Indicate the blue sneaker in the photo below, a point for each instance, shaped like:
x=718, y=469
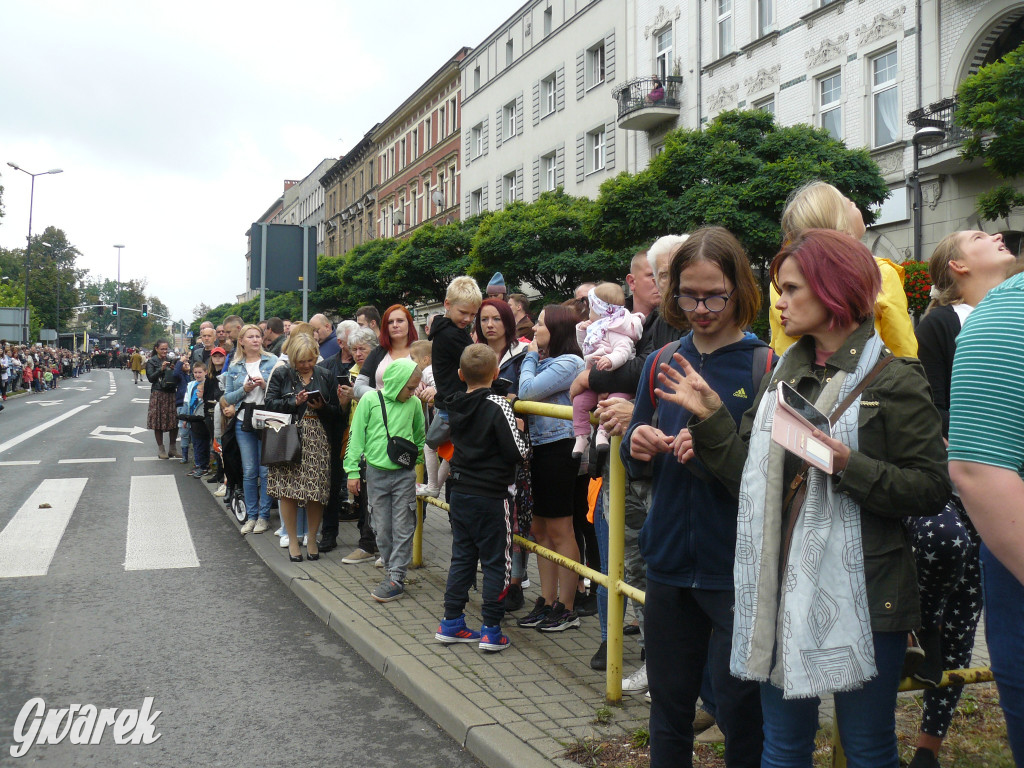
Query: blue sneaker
x=387, y=591
x=455, y=631
x=493, y=639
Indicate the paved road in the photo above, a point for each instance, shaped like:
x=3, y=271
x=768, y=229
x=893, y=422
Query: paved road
x=142, y=587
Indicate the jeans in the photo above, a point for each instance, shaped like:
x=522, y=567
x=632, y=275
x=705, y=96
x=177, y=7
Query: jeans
x=254, y=476
x=688, y=629
x=391, y=495
x=200, y=452
x=1004, y=632
x=481, y=530
x=866, y=717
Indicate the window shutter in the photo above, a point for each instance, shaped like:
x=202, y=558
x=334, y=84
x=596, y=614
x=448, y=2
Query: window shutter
x=468, y=211
x=560, y=166
x=467, y=155
x=609, y=146
x=483, y=201
x=581, y=60
x=497, y=128
x=486, y=123
x=581, y=157
x=609, y=57
x=519, y=183
x=536, y=102
x=536, y=177
x=499, y=199
x=560, y=88
x=519, y=115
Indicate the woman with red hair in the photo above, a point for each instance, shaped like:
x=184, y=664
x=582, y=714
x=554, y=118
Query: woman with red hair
x=824, y=572
x=397, y=333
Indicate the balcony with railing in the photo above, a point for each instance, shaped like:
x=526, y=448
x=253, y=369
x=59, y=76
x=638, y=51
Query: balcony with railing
x=647, y=102
x=941, y=155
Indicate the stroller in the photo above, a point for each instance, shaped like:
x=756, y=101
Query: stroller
x=232, y=459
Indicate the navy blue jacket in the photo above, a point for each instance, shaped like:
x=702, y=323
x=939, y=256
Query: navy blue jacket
x=689, y=537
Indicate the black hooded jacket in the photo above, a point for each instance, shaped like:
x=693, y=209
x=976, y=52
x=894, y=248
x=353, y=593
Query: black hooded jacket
x=488, y=443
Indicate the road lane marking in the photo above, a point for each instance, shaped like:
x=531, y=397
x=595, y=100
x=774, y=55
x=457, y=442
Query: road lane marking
x=40, y=428
x=147, y=458
x=29, y=541
x=95, y=401
x=87, y=461
x=20, y=463
x=158, y=534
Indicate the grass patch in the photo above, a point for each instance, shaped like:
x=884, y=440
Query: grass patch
x=976, y=739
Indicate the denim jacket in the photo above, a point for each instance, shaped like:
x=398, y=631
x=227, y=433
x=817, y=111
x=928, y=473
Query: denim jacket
x=236, y=374
x=548, y=381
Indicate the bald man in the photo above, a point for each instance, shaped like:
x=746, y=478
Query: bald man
x=323, y=329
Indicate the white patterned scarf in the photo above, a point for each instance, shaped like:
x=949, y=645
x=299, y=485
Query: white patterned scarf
x=813, y=637
x=610, y=315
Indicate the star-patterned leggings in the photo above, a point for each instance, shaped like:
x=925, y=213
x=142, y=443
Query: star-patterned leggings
x=946, y=550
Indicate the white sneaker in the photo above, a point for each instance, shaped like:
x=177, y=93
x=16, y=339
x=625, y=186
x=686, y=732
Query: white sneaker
x=284, y=541
x=280, y=532
x=305, y=540
x=525, y=584
x=248, y=527
x=221, y=491
x=636, y=682
x=422, y=489
x=379, y=563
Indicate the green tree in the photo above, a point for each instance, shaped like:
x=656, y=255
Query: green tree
x=990, y=104
x=423, y=264
x=12, y=294
x=54, y=276
x=347, y=282
x=136, y=330
x=545, y=244
x=736, y=173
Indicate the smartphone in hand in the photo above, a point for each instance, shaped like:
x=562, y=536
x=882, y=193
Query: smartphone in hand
x=314, y=396
x=345, y=380
x=793, y=423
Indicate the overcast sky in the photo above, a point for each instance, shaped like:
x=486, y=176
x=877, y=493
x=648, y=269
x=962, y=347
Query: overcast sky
x=176, y=123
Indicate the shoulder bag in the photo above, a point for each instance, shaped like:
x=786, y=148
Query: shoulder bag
x=280, y=441
x=401, y=451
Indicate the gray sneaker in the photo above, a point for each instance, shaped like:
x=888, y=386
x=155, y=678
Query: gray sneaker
x=387, y=591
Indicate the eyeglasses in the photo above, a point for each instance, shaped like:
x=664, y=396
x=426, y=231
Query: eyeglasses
x=711, y=303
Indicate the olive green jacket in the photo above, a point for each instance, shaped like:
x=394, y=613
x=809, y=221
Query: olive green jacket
x=898, y=470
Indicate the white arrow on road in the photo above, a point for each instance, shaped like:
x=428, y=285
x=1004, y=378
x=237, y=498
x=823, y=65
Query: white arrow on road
x=77, y=389
x=121, y=434
x=45, y=403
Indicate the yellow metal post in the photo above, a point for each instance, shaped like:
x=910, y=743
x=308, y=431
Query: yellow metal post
x=417, y=536
x=616, y=570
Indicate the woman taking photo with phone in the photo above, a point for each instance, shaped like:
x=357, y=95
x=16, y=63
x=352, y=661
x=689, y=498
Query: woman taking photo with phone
x=245, y=386
x=824, y=562
x=308, y=392
x=162, y=416
x=689, y=535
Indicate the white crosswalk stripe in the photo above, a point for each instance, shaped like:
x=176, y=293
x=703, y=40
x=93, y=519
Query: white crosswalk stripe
x=29, y=541
x=158, y=534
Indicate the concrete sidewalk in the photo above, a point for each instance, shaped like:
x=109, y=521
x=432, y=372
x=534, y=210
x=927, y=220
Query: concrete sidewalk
x=518, y=708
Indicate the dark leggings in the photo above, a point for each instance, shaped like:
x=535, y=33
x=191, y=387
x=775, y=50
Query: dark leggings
x=946, y=549
x=586, y=537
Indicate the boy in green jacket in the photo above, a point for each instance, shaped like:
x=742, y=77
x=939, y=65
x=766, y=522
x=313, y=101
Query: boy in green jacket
x=391, y=489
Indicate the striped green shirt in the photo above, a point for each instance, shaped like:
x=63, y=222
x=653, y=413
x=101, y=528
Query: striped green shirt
x=986, y=412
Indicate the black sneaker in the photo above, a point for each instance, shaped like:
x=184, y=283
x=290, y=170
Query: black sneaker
x=924, y=758
x=599, y=660
x=539, y=614
x=560, y=619
x=328, y=543
x=585, y=604
x=514, y=599
x=929, y=670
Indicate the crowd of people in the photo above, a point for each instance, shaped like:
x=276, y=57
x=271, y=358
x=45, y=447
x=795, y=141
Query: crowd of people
x=37, y=368
x=773, y=575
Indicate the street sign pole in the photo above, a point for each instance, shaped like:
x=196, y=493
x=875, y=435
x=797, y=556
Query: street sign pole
x=263, y=273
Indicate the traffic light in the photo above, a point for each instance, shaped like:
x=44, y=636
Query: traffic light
x=145, y=310
x=113, y=308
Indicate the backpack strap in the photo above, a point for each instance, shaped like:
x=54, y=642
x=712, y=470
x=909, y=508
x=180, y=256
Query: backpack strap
x=668, y=350
x=761, y=364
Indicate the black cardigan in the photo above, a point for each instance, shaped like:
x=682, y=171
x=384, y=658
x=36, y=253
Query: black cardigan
x=284, y=384
x=936, y=345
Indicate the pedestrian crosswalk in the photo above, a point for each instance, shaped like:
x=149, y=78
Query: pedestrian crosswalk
x=158, y=535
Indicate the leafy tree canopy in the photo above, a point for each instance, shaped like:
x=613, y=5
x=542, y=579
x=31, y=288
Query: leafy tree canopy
x=736, y=172
x=990, y=104
x=422, y=265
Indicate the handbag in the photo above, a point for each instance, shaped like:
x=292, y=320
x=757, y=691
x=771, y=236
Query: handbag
x=439, y=432
x=280, y=441
x=401, y=451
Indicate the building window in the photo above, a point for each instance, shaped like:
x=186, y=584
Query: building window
x=595, y=150
x=508, y=187
x=766, y=104
x=508, y=119
x=595, y=65
x=509, y=53
x=765, y=17
x=663, y=53
x=547, y=22
x=476, y=202
x=547, y=94
x=453, y=114
x=885, y=97
x=442, y=123
x=830, y=104
x=723, y=24
x=549, y=172
x=476, y=79
x=429, y=134
x=415, y=143
x=477, y=142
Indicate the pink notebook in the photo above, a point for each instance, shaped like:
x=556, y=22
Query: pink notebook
x=794, y=421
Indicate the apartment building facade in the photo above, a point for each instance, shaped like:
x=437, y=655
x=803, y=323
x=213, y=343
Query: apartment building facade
x=418, y=163
x=350, y=199
x=536, y=105
x=303, y=203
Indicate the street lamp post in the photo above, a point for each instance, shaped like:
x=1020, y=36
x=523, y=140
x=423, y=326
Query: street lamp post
x=28, y=244
x=925, y=136
x=119, y=247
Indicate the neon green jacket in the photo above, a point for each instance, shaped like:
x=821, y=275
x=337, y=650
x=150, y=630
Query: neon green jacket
x=367, y=436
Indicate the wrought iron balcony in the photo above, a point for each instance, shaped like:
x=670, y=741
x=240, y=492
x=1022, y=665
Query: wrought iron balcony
x=940, y=114
x=646, y=102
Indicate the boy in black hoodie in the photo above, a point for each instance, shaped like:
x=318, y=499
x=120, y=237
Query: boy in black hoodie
x=488, y=444
x=449, y=335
